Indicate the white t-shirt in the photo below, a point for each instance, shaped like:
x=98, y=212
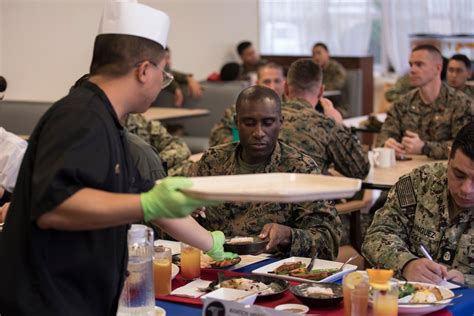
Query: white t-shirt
x=12, y=149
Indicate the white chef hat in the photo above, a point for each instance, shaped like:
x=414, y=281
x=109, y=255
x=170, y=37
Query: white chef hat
x=132, y=18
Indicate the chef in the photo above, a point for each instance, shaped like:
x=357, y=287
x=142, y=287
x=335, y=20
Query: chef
x=63, y=248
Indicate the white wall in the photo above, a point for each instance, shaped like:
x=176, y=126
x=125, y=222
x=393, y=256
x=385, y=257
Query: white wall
x=45, y=45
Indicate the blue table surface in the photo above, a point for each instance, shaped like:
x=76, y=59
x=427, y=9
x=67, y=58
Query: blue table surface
x=462, y=306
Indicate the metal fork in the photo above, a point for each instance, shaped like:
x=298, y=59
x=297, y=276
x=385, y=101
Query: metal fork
x=311, y=263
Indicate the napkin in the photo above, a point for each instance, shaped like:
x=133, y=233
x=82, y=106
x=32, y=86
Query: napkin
x=192, y=289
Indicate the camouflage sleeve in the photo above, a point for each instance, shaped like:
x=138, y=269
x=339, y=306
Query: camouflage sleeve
x=339, y=79
x=391, y=127
x=204, y=166
x=172, y=149
x=462, y=115
x=385, y=244
x=401, y=87
x=221, y=133
x=347, y=154
x=319, y=228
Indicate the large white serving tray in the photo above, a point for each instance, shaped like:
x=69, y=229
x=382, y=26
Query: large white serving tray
x=318, y=264
x=273, y=187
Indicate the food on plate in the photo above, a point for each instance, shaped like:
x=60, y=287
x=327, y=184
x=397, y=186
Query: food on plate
x=224, y=263
x=248, y=285
x=299, y=270
x=240, y=240
x=420, y=293
x=286, y=267
x=318, y=291
x=208, y=262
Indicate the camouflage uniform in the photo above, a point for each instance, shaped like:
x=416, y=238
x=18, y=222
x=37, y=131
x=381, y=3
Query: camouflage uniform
x=225, y=130
x=437, y=123
x=173, y=150
x=334, y=76
x=314, y=225
x=323, y=140
x=401, y=87
x=469, y=91
x=417, y=212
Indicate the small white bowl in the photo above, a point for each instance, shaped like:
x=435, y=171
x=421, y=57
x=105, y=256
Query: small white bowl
x=293, y=308
x=226, y=294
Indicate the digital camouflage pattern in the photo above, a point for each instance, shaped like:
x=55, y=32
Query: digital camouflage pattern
x=401, y=87
x=172, y=149
x=334, y=75
x=321, y=138
x=469, y=91
x=314, y=225
x=223, y=131
x=417, y=212
x=437, y=123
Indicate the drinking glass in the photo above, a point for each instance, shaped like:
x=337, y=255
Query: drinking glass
x=386, y=300
x=162, y=270
x=190, y=262
x=355, y=289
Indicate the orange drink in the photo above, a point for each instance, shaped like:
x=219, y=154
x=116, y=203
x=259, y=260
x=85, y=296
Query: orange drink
x=385, y=292
x=162, y=270
x=355, y=289
x=190, y=262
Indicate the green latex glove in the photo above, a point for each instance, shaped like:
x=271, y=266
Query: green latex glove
x=217, y=251
x=166, y=201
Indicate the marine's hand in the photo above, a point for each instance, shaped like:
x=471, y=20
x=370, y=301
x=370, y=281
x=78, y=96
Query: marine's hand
x=412, y=143
x=455, y=276
x=165, y=200
x=279, y=235
x=424, y=270
x=398, y=147
x=217, y=251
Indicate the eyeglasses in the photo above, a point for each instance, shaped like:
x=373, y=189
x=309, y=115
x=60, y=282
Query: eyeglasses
x=167, y=77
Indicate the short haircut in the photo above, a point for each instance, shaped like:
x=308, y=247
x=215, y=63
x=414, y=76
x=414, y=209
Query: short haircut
x=322, y=45
x=257, y=94
x=230, y=72
x=463, y=141
x=115, y=55
x=304, y=74
x=271, y=65
x=462, y=58
x=3, y=84
x=243, y=46
x=430, y=49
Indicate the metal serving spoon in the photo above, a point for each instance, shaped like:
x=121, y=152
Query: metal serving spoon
x=347, y=261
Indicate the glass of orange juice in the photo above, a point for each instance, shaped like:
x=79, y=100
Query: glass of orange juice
x=190, y=262
x=386, y=300
x=355, y=288
x=162, y=270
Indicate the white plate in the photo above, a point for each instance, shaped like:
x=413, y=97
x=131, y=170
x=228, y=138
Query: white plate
x=273, y=187
x=174, y=245
x=425, y=309
x=318, y=264
x=174, y=271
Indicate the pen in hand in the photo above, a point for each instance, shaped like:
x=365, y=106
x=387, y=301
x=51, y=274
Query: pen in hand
x=428, y=256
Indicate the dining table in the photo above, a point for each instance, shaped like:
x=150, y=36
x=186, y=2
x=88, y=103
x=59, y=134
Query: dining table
x=461, y=306
x=384, y=178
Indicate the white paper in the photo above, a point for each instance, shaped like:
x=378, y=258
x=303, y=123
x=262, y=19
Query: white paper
x=192, y=289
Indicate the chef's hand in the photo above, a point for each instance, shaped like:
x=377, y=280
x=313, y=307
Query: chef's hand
x=279, y=235
x=217, y=251
x=424, y=270
x=165, y=200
